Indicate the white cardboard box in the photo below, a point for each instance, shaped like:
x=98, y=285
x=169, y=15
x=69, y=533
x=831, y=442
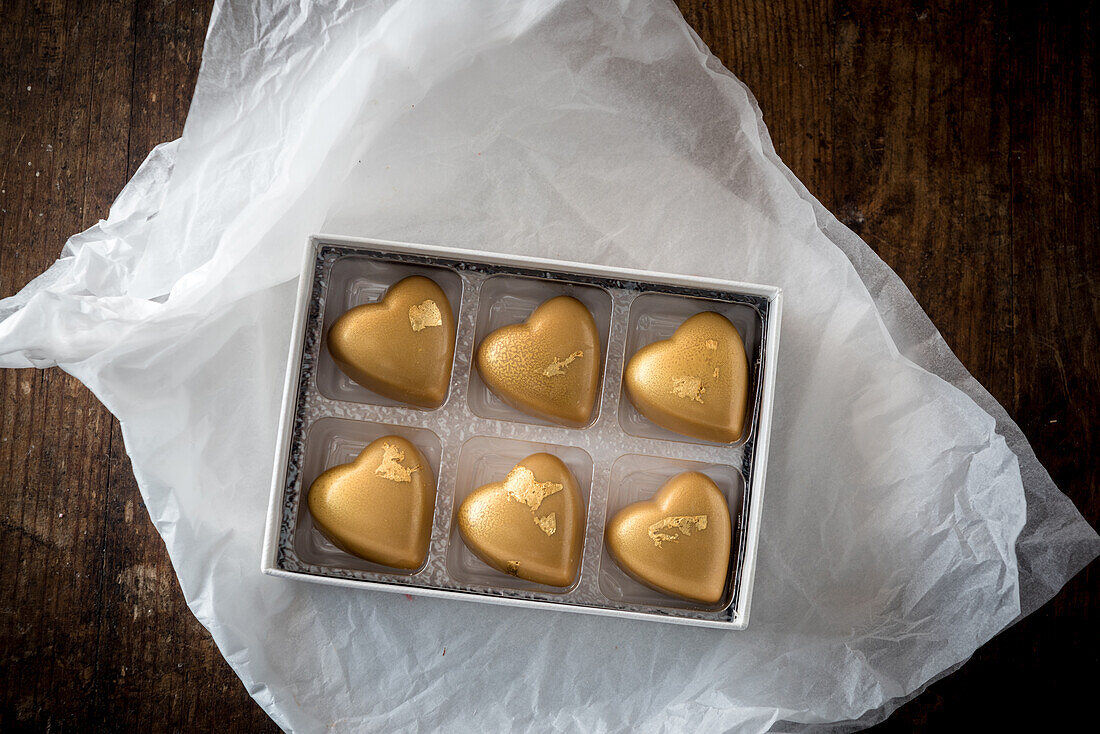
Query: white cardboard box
x=292, y=549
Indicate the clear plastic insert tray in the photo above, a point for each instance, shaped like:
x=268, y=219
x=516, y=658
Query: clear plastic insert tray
x=475, y=438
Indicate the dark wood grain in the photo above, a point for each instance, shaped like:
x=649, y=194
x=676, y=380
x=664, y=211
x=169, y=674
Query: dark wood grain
x=94, y=632
x=959, y=139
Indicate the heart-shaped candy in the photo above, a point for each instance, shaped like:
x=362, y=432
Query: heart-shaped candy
x=402, y=346
x=678, y=542
x=379, y=507
x=547, y=366
x=695, y=383
x=531, y=524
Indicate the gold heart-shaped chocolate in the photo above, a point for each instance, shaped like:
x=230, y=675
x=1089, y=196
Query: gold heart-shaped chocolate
x=695, y=383
x=531, y=524
x=678, y=542
x=379, y=507
x=402, y=346
x=548, y=366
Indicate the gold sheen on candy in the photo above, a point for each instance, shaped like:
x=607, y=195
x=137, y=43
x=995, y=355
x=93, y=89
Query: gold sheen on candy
x=678, y=542
x=695, y=383
x=547, y=366
x=379, y=507
x=401, y=347
x=530, y=524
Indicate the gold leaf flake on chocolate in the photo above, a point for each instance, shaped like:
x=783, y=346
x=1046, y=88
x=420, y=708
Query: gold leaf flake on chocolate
x=521, y=486
x=424, y=314
x=689, y=387
x=557, y=367
x=676, y=526
x=512, y=568
x=391, y=467
x=547, y=523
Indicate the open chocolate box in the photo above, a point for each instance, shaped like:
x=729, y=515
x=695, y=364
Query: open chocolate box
x=475, y=438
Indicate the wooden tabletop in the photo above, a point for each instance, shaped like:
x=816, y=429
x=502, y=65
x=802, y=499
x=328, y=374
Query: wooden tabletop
x=959, y=139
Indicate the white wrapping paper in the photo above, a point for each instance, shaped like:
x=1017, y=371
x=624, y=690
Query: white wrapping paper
x=906, y=521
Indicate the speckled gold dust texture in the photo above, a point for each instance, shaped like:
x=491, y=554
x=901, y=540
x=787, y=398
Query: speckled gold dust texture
x=530, y=524
x=379, y=507
x=401, y=347
x=695, y=383
x=547, y=366
x=679, y=541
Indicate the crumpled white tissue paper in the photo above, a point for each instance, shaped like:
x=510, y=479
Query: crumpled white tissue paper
x=906, y=519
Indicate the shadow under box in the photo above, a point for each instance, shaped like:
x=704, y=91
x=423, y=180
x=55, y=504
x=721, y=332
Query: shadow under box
x=635, y=478
x=487, y=459
x=353, y=281
x=334, y=441
x=510, y=299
